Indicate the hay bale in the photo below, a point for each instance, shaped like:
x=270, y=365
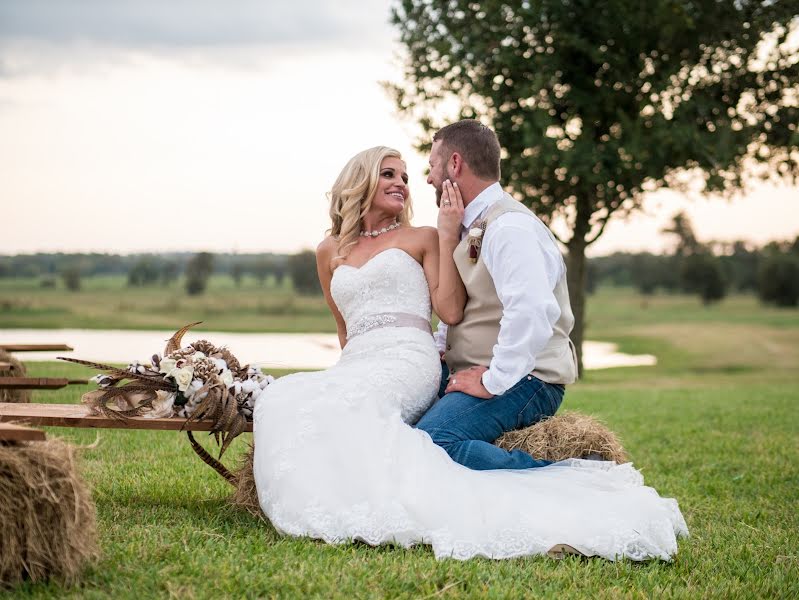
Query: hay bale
x=567, y=435
x=17, y=370
x=47, y=517
x=246, y=496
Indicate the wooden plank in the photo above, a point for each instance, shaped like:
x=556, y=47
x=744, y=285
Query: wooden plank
x=79, y=415
x=38, y=383
x=34, y=347
x=18, y=433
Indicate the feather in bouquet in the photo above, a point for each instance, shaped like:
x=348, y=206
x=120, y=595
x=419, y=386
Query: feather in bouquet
x=198, y=381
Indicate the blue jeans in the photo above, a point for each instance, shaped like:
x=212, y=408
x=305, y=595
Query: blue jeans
x=466, y=426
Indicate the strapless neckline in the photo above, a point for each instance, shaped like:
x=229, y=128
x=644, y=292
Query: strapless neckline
x=379, y=254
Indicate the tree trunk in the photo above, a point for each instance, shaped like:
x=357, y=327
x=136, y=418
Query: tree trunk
x=576, y=280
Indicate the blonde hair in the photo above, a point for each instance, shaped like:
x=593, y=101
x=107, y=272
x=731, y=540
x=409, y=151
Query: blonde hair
x=352, y=194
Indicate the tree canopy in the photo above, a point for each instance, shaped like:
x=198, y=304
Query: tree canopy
x=597, y=103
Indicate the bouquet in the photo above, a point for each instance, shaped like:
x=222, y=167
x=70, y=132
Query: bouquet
x=197, y=381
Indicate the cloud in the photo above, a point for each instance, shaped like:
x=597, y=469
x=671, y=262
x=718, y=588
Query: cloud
x=191, y=22
x=51, y=37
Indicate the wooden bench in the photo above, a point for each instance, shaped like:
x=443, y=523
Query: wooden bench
x=10, y=432
x=79, y=415
x=33, y=383
x=35, y=347
x=38, y=383
x=82, y=416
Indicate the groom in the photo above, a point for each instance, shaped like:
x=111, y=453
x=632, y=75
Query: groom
x=506, y=363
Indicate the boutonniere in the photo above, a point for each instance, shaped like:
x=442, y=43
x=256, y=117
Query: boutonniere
x=474, y=240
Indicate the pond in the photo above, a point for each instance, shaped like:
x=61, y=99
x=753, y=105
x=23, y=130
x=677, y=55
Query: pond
x=267, y=350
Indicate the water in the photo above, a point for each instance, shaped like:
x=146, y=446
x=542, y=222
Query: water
x=267, y=350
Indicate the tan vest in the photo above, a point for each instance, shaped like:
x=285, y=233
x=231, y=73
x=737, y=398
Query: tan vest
x=471, y=342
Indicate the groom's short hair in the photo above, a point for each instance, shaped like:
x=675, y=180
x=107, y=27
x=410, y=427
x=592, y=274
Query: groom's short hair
x=477, y=144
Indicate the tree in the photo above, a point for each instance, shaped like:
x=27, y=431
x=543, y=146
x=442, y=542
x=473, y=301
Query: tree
x=644, y=272
x=261, y=269
x=742, y=266
x=198, y=270
x=681, y=226
x=71, y=277
x=779, y=279
x=302, y=268
x=144, y=272
x=237, y=272
x=597, y=103
x=169, y=272
x=701, y=273
x=279, y=269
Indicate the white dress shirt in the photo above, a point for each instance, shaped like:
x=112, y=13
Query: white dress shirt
x=525, y=263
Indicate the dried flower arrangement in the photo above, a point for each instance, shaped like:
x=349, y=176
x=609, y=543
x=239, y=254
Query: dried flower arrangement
x=198, y=381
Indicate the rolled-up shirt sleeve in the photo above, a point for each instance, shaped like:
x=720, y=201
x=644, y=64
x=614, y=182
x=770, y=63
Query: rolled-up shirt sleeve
x=525, y=265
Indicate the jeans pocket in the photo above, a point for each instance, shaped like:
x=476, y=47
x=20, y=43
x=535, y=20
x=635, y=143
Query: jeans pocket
x=543, y=403
x=555, y=397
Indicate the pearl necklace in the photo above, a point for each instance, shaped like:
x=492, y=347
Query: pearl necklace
x=377, y=232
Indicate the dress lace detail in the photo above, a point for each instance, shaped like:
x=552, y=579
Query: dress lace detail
x=336, y=459
x=388, y=320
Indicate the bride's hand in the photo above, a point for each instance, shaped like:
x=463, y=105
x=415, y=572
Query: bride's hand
x=450, y=214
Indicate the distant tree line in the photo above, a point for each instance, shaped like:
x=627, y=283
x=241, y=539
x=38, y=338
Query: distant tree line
x=710, y=270
x=142, y=270
x=89, y=265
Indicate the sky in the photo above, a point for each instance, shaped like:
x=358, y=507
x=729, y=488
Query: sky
x=205, y=125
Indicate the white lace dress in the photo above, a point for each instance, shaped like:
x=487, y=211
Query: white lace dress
x=336, y=458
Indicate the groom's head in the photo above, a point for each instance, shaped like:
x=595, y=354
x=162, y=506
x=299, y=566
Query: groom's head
x=466, y=152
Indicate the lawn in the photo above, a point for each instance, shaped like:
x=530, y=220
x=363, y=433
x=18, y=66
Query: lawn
x=713, y=425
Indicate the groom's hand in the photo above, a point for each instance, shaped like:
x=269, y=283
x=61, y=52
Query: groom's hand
x=469, y=381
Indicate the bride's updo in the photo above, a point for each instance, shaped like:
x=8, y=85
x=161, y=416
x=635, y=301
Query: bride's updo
x=352, y=194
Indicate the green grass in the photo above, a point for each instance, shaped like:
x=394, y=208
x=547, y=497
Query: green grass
x=714, y=425
x=106, y=302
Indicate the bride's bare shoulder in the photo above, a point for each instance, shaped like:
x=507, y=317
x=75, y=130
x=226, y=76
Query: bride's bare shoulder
x=326, y=251
x=327, y=246
x=420, y=241
x=425, y=237
x=425, y=232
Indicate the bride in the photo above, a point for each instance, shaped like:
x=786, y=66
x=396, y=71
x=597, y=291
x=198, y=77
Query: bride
x=336, y=456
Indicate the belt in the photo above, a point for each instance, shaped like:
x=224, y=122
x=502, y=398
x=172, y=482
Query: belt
x=381, y=320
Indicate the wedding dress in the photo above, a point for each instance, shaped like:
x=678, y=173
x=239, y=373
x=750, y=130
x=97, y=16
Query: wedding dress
x=336, y=458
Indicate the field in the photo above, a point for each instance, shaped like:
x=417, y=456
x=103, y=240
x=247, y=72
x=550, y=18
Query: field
x=107, y=303
x=714, y=425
